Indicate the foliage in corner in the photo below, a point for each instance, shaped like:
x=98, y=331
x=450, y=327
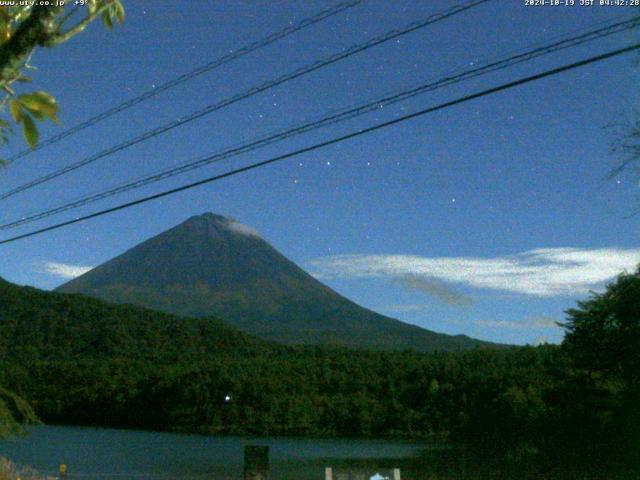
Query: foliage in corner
x=603, y=340
x=603, y=333
x=22, y=30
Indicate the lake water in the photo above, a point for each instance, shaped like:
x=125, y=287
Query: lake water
x=107, y=454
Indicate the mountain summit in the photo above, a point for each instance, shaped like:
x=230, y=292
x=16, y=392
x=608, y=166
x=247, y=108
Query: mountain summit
x=214, y=266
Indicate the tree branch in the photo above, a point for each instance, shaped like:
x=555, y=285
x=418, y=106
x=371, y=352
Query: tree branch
x=79, y=28
x=35, y=30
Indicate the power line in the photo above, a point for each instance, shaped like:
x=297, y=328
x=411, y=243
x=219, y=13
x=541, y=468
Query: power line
x=345, y=114
x=232, y=55
x=317, y=146
x=248, y=93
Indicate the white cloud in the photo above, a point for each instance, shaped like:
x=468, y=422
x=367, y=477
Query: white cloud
x=240, y=228
x=544, y=272
x=536, y=322
x=497, y=324
x=64, y=270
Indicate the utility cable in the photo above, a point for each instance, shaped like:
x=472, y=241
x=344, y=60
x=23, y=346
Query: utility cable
x=246, y=94
x=330, y=119
x=168, y=85
x=317, y=146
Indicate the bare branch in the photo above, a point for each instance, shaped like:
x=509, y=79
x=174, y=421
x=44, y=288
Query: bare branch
x=627, y=144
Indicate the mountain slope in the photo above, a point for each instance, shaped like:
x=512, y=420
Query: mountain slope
x=213, y=266
x=35, y=324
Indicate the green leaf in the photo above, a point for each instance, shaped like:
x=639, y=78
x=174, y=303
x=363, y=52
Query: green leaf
x=44, y=97
x=38, y=115
x=16, y=110
x=119, y=12
x=106, y=19
x=5, y=26
x=4, y=124
x=30, y=131
x=40, y=103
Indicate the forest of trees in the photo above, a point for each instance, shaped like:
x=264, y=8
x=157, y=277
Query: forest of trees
x=84, y=362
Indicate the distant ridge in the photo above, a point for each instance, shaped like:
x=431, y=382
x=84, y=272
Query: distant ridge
x=49, y=326
x=213, y=266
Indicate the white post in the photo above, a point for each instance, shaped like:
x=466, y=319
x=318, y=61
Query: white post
x=396, y=474
x=328, y=473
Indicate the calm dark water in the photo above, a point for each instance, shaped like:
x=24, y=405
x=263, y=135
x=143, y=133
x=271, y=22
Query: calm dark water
x=119, y=454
